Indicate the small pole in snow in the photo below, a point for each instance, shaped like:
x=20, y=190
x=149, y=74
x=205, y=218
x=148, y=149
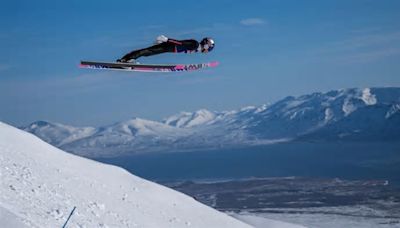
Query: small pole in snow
x=65, y=224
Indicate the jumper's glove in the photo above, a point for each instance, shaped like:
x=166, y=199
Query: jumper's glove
x=161, y=39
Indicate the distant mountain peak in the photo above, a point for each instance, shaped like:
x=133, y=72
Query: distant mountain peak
x=367, y=97
x=191, y=119
x=347, y=114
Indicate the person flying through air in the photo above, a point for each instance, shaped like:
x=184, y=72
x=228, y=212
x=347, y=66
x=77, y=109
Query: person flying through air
x=165, y=44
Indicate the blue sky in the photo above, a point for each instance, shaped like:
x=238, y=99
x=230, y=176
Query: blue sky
x=267, y=50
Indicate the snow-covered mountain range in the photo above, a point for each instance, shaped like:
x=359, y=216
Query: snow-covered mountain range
x=368, y=114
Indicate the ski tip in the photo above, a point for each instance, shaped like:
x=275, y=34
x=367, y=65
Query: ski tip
x=82, y=64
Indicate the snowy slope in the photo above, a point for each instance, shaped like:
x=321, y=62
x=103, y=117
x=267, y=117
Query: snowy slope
x=8, y=219
x=40, y=184
x=368, y=114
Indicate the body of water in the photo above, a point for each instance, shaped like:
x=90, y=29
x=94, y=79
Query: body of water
x=342, y=160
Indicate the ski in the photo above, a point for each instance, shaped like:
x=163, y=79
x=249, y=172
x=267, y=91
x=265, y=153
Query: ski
x=146, y=67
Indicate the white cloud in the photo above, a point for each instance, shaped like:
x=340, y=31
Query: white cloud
x=252, y=21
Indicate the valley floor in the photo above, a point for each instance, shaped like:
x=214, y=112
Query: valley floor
x=310, y=202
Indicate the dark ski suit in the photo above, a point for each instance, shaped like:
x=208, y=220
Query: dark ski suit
x=171, y=45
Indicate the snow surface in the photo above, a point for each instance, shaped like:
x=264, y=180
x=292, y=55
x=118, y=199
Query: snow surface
x=8, y=219
x=41, y=184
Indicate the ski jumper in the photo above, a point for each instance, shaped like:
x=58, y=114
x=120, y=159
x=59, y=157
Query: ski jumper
x=173, y=46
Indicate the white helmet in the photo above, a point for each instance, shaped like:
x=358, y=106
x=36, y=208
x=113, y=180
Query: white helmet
x=207, y=44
